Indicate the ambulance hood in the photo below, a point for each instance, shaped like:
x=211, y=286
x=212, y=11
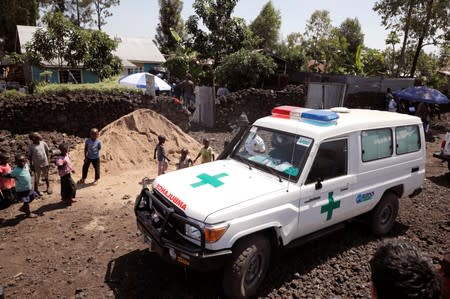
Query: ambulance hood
x=207, y=188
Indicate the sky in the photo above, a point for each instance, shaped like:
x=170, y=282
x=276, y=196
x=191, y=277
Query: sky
x=139, y=18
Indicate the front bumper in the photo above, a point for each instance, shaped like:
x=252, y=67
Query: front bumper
x=159, y=224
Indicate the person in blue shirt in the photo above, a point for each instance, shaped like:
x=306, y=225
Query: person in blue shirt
x=92, y=148
x=24, y=190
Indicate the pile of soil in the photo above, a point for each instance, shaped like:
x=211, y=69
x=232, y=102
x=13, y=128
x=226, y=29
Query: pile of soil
x=129, y=142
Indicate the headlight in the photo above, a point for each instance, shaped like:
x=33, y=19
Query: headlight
x=192, y=232
x=212, y=232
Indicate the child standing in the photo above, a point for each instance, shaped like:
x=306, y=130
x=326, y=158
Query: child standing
x=24, y=191
x=92, y=148
x=65, y=168
x=206, y=152
x=160, y=154
x=7, y=185
x=185, y=160
x=39, y=157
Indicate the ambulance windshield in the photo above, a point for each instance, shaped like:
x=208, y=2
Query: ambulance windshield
x=274, y=151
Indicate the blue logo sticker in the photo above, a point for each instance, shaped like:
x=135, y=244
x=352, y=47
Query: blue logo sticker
x=362, y=197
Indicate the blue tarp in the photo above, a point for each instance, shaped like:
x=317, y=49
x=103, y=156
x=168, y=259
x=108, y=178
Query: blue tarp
x=421, y=94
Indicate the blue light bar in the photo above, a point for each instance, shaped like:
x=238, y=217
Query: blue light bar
x=320, y=115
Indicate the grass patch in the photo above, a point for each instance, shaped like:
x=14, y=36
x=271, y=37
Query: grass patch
x=11, y=94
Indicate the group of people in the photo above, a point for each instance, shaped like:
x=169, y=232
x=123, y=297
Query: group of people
x=21, y=183
x=422, y=110
x=206, y=153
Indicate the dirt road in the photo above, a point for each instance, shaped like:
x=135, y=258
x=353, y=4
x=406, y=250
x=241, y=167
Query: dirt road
x=92, y=249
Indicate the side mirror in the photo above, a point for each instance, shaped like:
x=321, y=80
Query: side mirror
x=319, y=183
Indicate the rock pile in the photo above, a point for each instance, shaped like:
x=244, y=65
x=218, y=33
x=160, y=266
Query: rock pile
x=256, y=103
x=76, y=113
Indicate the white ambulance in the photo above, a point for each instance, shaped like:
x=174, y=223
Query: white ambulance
x=293, y=176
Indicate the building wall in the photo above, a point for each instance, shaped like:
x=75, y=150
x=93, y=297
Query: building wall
x=90, y=77
x=86, y=76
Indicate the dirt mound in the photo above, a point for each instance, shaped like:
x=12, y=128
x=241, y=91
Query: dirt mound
x=129, y=143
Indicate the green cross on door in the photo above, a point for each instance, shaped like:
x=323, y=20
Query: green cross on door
x=206, y=179
x=330, y=206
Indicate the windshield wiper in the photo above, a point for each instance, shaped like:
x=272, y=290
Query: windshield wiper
x=243, y=160
x=274, y=172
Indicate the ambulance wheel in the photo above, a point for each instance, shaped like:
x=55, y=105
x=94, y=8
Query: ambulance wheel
x=247, y=267
x=382, y=217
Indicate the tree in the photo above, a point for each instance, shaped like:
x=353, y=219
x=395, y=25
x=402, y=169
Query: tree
x=13, y=13
x=317, y=35
x=423, y=22
x=245, y=69
x=80, y=12
x=325, y=45
x=392, y=40
x=432, y=26
x=373, y=62
x=293, y=51
x=169, y=19
x=102, y=12
x=60, y=42
x=266, y=26
x=100, y=58
x=224, y=35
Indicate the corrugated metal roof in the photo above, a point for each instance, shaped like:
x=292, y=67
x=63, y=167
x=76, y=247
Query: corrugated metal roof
x=130, y=49
x=136, y=49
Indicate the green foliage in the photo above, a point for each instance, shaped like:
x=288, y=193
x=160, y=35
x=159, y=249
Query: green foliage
x=100, y=58
x=169, y=21
x=60, y=41
x=373, y=62
x=63, y=42
x=224, y=35
x=293, y=51
x=266, y=26
x=245, y=69
x=12, y=13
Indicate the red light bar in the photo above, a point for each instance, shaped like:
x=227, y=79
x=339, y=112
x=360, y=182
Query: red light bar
x=287, y=112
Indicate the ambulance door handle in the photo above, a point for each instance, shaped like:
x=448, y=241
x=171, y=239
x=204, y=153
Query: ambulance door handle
x=344, y=189
x=415, y=169
x=312, y=199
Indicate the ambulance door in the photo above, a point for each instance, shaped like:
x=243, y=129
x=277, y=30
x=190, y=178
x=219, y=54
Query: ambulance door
x=326, y=195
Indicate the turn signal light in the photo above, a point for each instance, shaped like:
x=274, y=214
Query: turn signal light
x=213, y=234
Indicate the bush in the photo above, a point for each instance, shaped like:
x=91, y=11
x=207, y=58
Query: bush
x=245, y=69
x=107, y=86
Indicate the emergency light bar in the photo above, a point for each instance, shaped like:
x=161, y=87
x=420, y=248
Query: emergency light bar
x=292, y=112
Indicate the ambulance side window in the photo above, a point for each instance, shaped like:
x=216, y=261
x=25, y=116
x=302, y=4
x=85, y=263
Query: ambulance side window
x=376, y=144
x=331, y=161
x=407, y=139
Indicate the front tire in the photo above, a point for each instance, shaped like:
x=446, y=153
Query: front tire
x=247, y=267
x=382, y=217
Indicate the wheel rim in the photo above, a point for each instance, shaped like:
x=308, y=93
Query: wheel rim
x=254, y=269
x=386, y=215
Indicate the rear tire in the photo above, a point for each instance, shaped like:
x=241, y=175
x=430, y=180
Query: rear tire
x=382, y=217
x=247, y=267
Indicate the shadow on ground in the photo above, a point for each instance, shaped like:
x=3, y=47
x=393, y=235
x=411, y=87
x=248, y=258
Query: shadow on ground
x=441, y=180
x=40, y=211
x=141, y=274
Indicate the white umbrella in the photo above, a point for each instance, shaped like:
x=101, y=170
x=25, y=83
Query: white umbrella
x=138, y=80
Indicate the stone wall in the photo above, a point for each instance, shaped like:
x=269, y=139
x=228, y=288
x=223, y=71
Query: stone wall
x=76, y=113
